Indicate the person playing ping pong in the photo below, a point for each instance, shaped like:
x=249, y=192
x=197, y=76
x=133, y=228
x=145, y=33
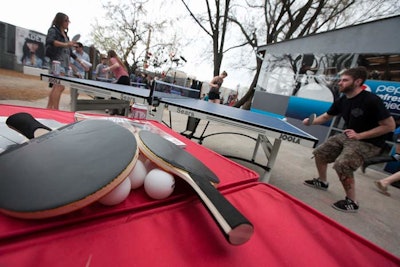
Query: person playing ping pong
x=215, y=86
x=117, y=67
x=367, y=122
x=59, y=48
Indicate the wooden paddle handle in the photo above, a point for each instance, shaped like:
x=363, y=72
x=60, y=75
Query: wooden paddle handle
x=236, y=228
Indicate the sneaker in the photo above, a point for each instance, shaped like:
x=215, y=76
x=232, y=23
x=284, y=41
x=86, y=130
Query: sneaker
x=317, y=183
x=346, y=205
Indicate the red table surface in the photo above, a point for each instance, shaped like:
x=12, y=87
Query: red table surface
x=178, y=231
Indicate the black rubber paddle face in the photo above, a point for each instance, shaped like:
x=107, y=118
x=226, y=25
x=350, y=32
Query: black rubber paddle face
x=65, y=169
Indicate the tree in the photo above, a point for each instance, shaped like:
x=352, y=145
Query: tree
x=128, y=30
x=215, y=24
x=288, y=19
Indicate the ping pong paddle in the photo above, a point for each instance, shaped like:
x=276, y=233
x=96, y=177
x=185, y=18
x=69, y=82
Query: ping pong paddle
x=65, y=169
x=311, y=119
x=76, y=37
x=172, y=158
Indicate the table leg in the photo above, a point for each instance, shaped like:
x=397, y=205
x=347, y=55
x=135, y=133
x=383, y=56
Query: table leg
x=271, y=152
x=74, y=98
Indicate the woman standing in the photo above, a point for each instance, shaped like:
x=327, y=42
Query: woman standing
x=58, y=48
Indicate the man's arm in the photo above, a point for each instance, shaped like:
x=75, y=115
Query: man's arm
x=385, y=126
x=321, y=119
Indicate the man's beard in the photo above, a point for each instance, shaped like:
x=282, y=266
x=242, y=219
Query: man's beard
x=347, y=89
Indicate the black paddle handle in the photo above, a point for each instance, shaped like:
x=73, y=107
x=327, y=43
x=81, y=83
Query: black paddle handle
x=25, y=124
x=236, y=228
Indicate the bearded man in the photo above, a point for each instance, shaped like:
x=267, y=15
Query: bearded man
x=367, y=123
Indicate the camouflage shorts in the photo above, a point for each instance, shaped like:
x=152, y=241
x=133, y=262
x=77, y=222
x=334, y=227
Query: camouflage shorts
x=348, y=155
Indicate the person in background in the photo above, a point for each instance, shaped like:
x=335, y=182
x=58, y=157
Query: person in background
x=82, y=66
x=99, y=74
x=232, y=99
x=119, y=70
x=215, y=86
x=59, y=48
x=367, y=123
x=383, y=184
x=132, y=77
x=139, y=78
x=149, y=81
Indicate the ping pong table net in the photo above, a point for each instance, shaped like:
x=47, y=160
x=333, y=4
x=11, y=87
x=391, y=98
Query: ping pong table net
x=169, y=90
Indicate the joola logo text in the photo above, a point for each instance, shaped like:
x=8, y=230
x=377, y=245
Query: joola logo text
x=290, y=138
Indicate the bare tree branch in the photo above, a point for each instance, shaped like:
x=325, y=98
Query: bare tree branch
x=197, y=20
x=218, y=23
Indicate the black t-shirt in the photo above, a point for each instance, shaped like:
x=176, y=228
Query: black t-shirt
x=361, y=113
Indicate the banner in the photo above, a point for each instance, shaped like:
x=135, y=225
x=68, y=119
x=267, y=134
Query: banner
x=30, y=48
x=388, y=91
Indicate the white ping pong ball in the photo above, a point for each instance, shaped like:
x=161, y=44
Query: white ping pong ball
x=138, y=174
x=118, y=194
x=159, y=184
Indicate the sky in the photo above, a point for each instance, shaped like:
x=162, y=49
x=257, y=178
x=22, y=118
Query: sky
x=38, y=15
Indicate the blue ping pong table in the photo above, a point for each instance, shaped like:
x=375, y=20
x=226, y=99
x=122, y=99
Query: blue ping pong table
x=271, y=130
x=112, y=95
